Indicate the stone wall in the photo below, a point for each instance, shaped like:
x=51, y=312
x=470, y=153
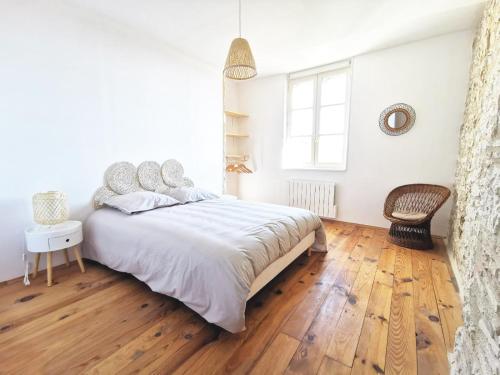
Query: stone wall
x=474, y=238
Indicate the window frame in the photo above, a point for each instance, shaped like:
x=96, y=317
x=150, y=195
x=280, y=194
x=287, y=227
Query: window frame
x=318, y=75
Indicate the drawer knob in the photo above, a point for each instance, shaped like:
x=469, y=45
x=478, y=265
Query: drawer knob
x=67, y=239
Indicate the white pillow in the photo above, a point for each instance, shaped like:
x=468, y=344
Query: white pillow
x=190, y=194
x=139, y=201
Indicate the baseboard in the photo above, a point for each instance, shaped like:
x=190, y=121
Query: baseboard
x=457, y=280
x=21, y=278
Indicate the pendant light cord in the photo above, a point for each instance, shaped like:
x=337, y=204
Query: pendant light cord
x=239, y=17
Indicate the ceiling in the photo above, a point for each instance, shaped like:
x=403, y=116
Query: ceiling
x=289, y=35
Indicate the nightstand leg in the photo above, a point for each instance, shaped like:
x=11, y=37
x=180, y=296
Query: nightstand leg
x=76, y=250
x=309, y=252
x=66, y=257
x=49, y=268
x=37, y=262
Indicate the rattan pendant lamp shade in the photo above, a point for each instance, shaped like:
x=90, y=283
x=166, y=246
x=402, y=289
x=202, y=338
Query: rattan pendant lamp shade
x=240, y=63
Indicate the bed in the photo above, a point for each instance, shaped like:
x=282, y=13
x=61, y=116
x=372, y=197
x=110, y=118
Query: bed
x=212, y=255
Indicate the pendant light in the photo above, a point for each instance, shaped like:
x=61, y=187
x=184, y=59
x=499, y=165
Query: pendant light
x=240, y=64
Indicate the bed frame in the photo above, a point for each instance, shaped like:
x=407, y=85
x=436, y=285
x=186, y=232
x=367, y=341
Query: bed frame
x=281, y=263
x=124, y=177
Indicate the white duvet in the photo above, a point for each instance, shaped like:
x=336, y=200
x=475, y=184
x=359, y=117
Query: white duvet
x=206, y=254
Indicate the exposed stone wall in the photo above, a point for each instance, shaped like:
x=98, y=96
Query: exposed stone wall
x=474, y=238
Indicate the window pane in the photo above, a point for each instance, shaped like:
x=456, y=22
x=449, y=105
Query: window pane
x=332, y=119
x=331, y=149
x=333, y=89
x=298, y=151
x=301, y=122
x=302, y=94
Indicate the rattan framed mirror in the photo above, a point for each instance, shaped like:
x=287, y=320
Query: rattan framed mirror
x=397, y=119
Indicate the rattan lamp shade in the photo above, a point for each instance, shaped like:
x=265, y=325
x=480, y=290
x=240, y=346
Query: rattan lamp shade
x=240, y=64
x=50, y=208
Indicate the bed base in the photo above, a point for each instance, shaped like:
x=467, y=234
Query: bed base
x=280, y=264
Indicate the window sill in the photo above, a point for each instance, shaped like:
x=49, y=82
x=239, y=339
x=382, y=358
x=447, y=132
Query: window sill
x=316, y=169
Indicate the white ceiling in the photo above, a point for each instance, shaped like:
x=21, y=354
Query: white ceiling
x=289, y=35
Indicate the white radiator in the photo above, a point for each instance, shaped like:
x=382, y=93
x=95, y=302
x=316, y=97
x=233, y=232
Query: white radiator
x=315, y=196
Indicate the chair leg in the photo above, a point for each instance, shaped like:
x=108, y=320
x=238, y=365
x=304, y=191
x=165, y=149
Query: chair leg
x=78, y=257
x=427, y=238
x=37, y=263
x=49, y=268
x=412, y=236
x=66, y=257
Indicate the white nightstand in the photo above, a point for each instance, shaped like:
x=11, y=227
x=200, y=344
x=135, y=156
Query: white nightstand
x=47, y=238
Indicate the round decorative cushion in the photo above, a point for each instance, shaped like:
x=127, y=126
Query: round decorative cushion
x=121, y=177
x=101, y=195
x=188, y=182
x=149, y=174
x=172, y=172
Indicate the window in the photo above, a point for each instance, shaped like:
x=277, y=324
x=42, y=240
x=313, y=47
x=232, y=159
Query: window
x=317, y=119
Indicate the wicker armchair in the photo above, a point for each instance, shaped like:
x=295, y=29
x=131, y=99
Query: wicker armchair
x=410, y=209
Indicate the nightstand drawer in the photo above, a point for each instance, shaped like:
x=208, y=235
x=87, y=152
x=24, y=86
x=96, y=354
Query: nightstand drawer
x=63, y=242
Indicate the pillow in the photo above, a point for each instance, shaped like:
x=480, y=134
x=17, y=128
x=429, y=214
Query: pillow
x=409, y=215
x=187, y=194
x=139, y=201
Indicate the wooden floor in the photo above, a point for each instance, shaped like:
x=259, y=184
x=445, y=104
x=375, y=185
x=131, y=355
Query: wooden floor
x=365, y=307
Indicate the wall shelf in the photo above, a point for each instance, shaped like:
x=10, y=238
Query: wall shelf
x=237, y=157
x=235, y=114
x=236, y=147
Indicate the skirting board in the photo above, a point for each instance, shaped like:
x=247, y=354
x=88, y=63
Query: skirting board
x=280, y=264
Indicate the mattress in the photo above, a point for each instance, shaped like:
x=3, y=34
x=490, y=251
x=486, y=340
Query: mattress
x=206, y=254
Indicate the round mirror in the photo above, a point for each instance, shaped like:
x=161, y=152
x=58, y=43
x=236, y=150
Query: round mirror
x=397, y=119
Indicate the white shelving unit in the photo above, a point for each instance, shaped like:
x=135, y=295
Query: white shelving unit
x=235, y=148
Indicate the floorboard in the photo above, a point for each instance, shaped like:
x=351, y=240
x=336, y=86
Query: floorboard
x=365, y=307
x=345, y=338
x=431, y=348
x=401, y=357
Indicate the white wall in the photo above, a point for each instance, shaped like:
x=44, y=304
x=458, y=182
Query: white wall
x=431, y=75
x=79, y=92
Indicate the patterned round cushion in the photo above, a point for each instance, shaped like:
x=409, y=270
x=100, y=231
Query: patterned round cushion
x=121, y=177
x=149, y=174
x=172, y=172
x=101, y=195
x=188, y=182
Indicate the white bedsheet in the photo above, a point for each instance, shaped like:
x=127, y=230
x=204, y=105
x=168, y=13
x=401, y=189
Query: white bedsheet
x=206, y=254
